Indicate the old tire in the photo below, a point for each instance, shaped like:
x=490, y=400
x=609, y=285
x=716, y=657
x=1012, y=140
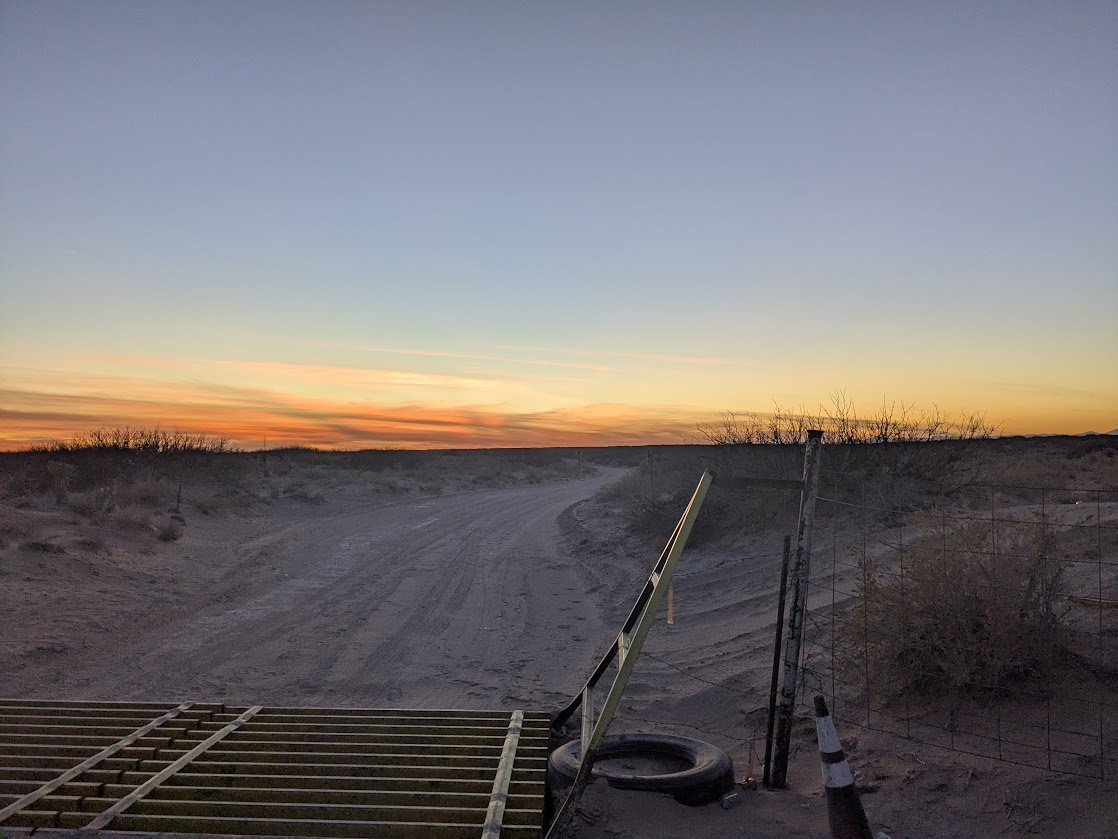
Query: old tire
x=710, y=774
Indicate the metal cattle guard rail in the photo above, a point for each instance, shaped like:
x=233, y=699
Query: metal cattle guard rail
x=205, y=768
x=625, y=650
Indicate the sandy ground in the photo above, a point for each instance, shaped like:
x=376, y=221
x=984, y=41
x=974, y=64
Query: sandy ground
x=490, y=598
x=453, y=601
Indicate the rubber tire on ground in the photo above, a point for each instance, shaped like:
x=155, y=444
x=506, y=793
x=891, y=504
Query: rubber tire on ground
x=710, y=776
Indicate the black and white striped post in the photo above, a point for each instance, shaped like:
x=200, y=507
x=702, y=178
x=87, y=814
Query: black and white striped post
x=844, y=809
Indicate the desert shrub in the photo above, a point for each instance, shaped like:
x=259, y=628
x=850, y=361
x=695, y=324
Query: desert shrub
x=169, y=532
x=840, y=423
x=125, y=456
x=155, y=440
x=146, y=493
x=23, y=475
x=968, y=610
x=61, y=474
x=96, y=505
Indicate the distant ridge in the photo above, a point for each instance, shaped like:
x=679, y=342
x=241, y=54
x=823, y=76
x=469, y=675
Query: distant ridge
x=1112, y=433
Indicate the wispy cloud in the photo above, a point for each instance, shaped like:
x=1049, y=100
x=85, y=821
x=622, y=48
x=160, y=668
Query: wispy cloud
x=351, y=376
x=667, y=358
x=515, y=357
x=143, y=361
x=248, y=415
x=361, y=407
x=555, y=356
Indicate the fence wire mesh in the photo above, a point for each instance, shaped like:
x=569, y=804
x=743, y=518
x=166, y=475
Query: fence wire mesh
x=987, y=624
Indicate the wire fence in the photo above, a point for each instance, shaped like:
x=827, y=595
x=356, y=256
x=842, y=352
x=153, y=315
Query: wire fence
x=987, y=625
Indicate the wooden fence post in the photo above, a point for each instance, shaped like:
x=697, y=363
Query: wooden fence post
x=796, y=618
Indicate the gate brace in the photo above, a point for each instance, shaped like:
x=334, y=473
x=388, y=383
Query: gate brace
x=625, y=649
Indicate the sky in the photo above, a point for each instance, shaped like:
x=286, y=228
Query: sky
x=471, y=223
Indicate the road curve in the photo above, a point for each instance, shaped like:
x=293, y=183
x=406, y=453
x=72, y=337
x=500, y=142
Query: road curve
x=456, y=601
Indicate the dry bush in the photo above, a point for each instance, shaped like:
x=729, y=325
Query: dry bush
x=889, y=480
x=150, y=467
x=840, y=423
x=966, y=610
x=1083, y=463
x=873, y=462
x=61, y=475
x=893, y=479
x=169, y=532
x=156, y=440
x=96, y=505
x=139, y=463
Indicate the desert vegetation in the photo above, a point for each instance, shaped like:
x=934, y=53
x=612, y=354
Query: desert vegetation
x=109, y=548
x=151, y=481
x=895, y=478
x=154, y=440
x=962, y=606
x=970, y=608
x=970, y=601
x=893, y=422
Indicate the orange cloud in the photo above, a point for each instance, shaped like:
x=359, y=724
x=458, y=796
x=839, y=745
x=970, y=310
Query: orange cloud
x=248, y=416
x=37, y=406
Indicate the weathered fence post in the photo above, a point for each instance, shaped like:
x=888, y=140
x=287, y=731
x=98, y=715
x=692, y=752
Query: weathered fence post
x=796, y=618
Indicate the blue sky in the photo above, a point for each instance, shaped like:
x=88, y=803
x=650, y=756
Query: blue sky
x=621, y=218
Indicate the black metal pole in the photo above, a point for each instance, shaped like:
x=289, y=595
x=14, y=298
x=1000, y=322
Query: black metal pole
x=776, y=657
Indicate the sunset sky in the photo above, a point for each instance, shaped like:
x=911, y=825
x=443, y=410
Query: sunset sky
x=471, y=223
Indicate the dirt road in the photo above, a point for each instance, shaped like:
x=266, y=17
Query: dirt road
x=472, y=600
x=453, y=601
